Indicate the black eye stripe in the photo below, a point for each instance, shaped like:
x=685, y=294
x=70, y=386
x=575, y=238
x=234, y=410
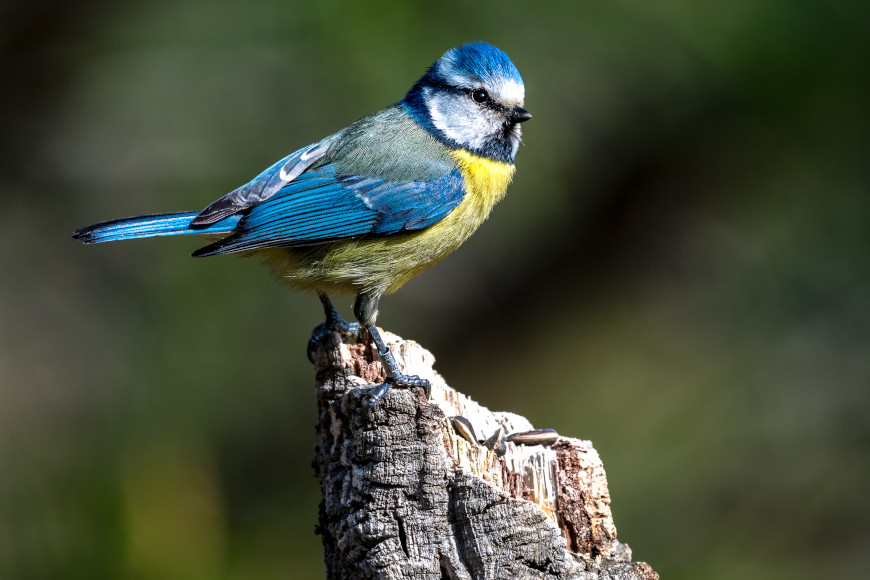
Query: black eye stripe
x=449, y=88
x=489, y=103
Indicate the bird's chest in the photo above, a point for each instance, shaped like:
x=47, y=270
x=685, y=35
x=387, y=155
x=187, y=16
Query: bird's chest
x=485, y=182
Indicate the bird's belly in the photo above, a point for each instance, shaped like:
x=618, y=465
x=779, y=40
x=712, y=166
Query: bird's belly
x=385, y=263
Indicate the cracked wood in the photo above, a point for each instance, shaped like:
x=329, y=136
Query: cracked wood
x=406, y=496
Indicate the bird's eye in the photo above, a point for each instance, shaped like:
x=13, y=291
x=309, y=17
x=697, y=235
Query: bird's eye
x=480, y=96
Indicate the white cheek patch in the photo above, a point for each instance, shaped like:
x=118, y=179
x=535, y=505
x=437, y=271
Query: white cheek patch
x=461, y=120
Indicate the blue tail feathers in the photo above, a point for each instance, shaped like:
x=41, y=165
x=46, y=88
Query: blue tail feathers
x=146, y=226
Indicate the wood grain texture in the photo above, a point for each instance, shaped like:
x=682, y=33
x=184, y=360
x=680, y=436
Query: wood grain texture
x=407, y=496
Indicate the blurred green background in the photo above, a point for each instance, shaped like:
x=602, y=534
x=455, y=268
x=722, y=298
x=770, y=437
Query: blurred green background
x=679, y=273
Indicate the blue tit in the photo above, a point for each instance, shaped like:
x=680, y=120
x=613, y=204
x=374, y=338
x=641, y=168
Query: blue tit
x=371, y=206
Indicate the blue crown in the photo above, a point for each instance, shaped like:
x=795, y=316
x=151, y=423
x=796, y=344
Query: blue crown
x=475, y=60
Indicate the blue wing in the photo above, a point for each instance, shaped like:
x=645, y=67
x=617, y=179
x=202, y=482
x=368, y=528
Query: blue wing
x=264, y=185
x=323, y=205
x=381, y=175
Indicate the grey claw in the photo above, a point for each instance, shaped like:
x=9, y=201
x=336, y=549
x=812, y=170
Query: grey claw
x=379, y=392
x=321, y=331
x=400, y=382
x=411, y=381
x=317, y=335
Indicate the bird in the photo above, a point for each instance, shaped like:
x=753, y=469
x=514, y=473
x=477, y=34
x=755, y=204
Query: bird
x=372, y=205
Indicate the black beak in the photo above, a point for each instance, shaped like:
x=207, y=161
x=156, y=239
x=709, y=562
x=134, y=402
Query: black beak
x=520, y=115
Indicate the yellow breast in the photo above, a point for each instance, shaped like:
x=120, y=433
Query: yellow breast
x=385, y=264
x=486, y=182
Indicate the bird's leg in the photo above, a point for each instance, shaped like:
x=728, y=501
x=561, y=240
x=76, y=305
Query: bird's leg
x=333, y=323
x=366, y=310
x=395, y=378
x=334, y=320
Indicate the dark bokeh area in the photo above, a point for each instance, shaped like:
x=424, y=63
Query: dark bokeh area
x=679, y=273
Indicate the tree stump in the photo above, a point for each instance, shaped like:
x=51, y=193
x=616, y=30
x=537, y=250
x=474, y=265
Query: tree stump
x=412, y=492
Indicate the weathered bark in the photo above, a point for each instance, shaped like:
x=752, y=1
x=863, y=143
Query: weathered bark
x=406, y=496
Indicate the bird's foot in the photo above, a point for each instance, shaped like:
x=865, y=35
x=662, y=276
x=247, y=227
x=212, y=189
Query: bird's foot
x=334, y=323
x=399, y=381
x=395, y=377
